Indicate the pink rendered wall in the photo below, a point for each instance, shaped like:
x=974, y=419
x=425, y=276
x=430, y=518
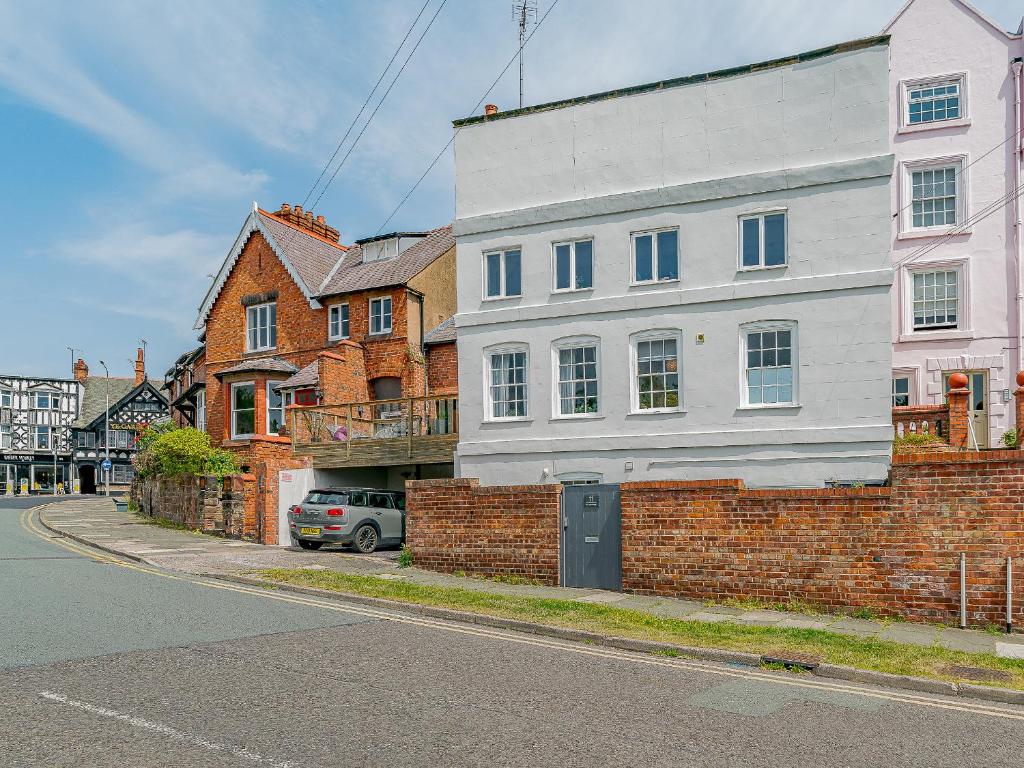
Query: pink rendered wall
x=936, y=38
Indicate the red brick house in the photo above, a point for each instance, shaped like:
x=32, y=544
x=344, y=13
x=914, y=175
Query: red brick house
x=315, y=352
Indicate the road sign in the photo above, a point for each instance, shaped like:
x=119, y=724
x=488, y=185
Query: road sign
x=106, y=465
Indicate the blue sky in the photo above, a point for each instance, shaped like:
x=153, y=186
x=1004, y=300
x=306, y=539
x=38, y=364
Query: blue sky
x=135, y=135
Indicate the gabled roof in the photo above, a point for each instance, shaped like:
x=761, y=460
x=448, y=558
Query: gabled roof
x=351, y=274
x=442, y=334
x=269, y=364
x=94, y=396
x=308, y=258
x=967, y=7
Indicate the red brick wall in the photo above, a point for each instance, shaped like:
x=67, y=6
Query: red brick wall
x=455, y=525
x=895, y=549
x=443, y=369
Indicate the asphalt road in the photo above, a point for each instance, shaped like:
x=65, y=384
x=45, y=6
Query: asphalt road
x=113, y=664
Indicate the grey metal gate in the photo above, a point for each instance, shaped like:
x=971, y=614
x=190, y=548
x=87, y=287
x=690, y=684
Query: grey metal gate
x=592, y=536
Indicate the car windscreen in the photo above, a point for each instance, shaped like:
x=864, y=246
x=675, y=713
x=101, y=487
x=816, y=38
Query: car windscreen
x=326, y=497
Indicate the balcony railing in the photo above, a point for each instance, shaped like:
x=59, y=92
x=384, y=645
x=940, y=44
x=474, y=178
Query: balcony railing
x=414, y=430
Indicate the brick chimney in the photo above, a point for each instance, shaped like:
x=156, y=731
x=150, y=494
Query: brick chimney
x=140, y=367
x=81, y=370
x=305, y=220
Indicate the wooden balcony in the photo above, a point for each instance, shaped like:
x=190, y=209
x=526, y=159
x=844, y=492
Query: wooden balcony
x=381, y=433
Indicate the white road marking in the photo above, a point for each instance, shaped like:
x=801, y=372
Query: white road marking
x=243, y=753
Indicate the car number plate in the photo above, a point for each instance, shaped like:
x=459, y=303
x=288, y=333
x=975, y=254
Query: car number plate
x=310, y=531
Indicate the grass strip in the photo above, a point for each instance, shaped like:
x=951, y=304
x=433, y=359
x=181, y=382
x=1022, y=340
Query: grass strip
x=829, y=647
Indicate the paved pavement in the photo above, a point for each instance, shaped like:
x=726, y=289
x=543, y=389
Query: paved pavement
x=109, y=662
x=98, y=521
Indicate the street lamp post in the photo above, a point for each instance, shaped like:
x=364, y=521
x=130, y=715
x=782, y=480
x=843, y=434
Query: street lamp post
x=54, y=438
x=106, y=429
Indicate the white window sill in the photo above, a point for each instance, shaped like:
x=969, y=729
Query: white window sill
x=657, y=412
x=771, y=407
x=935, y=125
x=941, y=335
x=918, y=234
x=388, y=332
x=258, y=351
x=561, y=291
x=578, y=417
x=515, y=420
x=339, y=338
x=647, y=283
x=502, y=298
x=762, y=269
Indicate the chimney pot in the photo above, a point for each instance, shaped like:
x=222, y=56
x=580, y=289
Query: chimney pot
x=320, y=219
x=285, y=208
x=298, y=210
x=140, y=367
x=490, y=109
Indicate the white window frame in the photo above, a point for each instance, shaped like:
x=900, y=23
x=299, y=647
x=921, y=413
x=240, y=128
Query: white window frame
x=201, y=410
x=6, y=436
x=794, y=361
x=572, y=342
x=235, y=434
x=267, y=408
x=52, y=400
x=503, y=289
x=488, y=392
x=760, y=216
x=6, y=397
x=343, y=324
x=906, y=86
x=255, y=311
x=579, y=478
x=391, y=315
x=909, y=377
x=906, y=212
x=572, y=265
x=655, y=334
x=963, y=325
x=36, y=429
x=655, y=280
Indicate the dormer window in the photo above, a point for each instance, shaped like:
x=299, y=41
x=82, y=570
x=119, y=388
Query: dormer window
x=261, y=327
x=388, y=246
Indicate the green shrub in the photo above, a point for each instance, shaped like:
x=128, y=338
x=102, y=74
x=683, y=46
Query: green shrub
x=1010, y=438
x=182, y=451
x=913, y=440
x=405, y=557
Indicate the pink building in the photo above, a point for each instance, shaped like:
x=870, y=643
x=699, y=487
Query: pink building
x=955, y=118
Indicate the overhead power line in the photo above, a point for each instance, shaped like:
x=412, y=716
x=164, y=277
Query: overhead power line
x=362, y=109
x=369, y=120
x=487, y=93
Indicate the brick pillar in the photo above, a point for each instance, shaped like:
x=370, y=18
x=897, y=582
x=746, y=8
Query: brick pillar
x=1018, y=422
x=956, y=397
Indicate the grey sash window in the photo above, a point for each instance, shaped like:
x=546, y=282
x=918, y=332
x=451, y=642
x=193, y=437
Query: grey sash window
x=380, y=315
x=577, y=380
x=502, y=274
x=936, y=300
x=657, y=374
x=932, y=102
x=900, y=391
x=656, y=256
x=769, y=373
x=508, y=387
x=933, y=196
x=574, y=265
x=275, y=409
x=338, y=321
x=243, y=409
x=261, y=326
x=763, y=240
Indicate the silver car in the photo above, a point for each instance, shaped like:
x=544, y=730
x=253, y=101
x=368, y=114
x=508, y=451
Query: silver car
x=364, y=518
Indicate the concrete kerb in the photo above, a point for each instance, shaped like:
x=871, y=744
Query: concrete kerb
x=827, y=671
x=80, y=540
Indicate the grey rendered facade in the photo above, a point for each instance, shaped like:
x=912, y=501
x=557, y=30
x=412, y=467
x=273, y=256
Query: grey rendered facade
x=804, y=141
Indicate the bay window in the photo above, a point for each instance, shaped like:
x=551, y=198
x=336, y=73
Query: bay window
x=243, y=409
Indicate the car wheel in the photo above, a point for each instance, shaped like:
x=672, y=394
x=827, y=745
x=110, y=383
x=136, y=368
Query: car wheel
x=310, y=544
x=365, y=539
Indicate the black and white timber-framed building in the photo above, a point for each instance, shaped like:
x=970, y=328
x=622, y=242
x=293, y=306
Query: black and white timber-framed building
x=36, y=418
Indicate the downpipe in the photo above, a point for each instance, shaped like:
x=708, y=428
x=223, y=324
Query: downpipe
x=1017, y=65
